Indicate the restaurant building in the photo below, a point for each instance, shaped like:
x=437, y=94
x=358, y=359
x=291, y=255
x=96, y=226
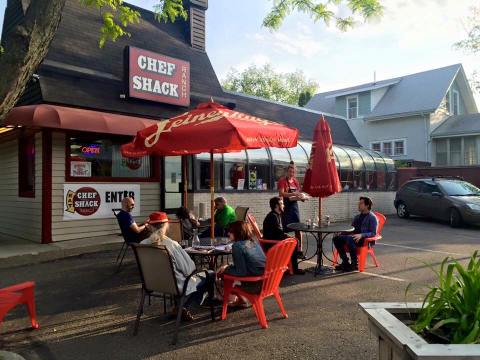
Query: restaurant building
x=62, y=169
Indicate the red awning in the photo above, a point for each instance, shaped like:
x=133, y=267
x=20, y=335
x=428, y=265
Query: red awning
x=60, y=117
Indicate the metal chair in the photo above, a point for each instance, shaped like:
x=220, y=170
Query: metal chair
x=241, y=213
x=158, y=278
x=125, y=245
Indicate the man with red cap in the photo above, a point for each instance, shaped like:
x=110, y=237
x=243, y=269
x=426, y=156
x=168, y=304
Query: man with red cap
x=183, y=265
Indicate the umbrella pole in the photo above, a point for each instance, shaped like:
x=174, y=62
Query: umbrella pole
x=185, y=181
x=212, y=194
x=319, y=211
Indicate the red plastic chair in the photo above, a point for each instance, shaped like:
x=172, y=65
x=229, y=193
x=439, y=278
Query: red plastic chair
x=367, y=248
x=277, y=260
x=264, y=243
x=19, y=294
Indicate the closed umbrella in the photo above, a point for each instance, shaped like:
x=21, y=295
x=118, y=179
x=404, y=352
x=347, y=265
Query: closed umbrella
x=211, y=128
x=321, y=178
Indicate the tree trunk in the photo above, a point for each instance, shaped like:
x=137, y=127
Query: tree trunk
x=25, y=47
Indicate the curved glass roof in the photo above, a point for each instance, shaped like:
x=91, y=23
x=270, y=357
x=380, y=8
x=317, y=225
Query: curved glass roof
x=280, y=155
x=298, y=155
x=240, y=156
x=258, y=156
x=344, y=160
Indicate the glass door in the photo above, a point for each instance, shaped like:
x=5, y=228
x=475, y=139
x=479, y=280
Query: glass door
x=172, y=182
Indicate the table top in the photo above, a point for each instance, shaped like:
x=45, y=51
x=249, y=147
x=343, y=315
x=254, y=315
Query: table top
x=205, y=250
x=326, y=229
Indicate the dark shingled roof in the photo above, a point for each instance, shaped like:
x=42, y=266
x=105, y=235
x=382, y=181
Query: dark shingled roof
x=302, y=119
x=467, y=124
x=77, y=73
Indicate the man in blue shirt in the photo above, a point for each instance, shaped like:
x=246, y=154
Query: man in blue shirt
x=365, y=225
x=132, y=233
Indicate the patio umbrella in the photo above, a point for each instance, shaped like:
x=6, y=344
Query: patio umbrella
x=321, y=178
x=211, y=128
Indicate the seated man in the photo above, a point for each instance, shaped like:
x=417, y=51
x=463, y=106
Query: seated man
x=365, y=225
x=273, y=229
x=224, y=216
x=132, y=232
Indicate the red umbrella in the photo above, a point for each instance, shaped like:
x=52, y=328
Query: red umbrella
x=211, y=128
x=321, y=179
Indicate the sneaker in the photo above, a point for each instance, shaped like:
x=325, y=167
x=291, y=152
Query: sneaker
x=344, y=266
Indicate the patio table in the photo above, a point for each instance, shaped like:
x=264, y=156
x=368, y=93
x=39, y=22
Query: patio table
x=209, y=254
x=320, y=233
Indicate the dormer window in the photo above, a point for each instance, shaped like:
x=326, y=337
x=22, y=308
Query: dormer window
x=352, y=107
x=455, y=103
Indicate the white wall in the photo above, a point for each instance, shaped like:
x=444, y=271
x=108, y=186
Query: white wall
x=67, y=230
x=20, y=217
x=340, y=207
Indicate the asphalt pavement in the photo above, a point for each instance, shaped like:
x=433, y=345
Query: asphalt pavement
x=86, y=310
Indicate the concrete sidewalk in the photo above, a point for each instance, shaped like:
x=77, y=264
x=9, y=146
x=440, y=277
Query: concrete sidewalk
x=17, y=252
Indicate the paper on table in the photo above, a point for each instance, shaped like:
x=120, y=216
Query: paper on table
x=227, y=247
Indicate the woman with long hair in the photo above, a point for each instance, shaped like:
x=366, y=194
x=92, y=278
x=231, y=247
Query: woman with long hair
x=183, y=265
x=188, y=220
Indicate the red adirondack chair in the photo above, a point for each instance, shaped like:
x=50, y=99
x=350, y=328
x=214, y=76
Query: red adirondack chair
x=264, y=243
x=367, y=248
x=19, y=294
x=277, y=259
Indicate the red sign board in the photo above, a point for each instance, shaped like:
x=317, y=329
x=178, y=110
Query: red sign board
x=157, y=77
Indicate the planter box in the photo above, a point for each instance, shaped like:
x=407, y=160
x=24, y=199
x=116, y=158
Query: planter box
x=396, y=341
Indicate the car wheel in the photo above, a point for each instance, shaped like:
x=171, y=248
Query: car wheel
x=402, y=211
x=455, y=218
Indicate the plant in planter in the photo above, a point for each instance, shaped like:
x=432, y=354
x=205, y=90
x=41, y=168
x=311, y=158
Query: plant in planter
x=446, y=325
x=451, y=310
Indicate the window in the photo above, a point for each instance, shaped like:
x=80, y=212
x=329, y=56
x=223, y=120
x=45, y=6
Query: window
x=358, y=169
x=399, y=147
x=26, y=166
x=455, y=151
x=102, y=158
x=234, y=169
x=455, y=102
x=346, y=168
x=300, y=159
x=387, y=148
x=447, y=102
x=380, y=169
x=202, y=171
x=352, y=107
x=470, y=150
x=412, y=187
x=429, y=188
x=370, y=175
x=280, y=159
x=259, y=164
x=376, y=146
x=441, y=152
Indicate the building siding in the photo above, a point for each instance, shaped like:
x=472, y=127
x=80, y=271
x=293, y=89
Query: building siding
x=22, y=217
x=364, y=104
x=75, y=229
x=340, y=207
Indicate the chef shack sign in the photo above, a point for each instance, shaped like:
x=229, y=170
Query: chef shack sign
x=96, y=201
x=157, y=77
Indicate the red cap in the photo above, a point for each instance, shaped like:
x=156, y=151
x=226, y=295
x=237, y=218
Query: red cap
x=157, y=217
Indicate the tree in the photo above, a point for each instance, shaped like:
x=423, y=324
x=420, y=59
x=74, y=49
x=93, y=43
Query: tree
x=472, y=43
x=26, y=45
x=291, y=88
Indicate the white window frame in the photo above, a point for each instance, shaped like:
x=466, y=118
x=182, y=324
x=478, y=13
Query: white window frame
x=453, y=102
x=392, y=144
x=358, y=105
x=391, y=147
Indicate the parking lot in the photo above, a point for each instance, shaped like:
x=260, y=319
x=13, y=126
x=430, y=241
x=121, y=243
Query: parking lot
x=86, y=311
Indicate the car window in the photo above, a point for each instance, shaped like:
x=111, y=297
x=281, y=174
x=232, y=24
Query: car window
x=459, y=188
x=428, y=188
x=413, y=186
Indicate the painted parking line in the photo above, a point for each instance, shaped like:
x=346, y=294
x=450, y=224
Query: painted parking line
x=421, y=249
x=364, y=273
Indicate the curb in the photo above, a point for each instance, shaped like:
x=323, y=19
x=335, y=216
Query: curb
x=56, y=253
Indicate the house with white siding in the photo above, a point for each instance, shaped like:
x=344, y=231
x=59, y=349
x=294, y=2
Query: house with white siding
x=398, y=116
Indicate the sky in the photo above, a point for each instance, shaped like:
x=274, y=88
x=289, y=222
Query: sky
x=412, y=36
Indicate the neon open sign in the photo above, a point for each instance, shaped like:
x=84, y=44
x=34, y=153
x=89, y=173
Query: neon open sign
x=91, y=149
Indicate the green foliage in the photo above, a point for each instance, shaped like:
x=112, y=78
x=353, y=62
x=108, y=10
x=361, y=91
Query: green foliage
x=320, y=11
x=451, y=310
x=265, y=82
x=304, y=98
x=170, y=10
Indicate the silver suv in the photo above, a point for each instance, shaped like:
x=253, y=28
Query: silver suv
x=452, y=200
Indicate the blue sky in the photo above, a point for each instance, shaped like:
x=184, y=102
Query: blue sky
x=412, y=36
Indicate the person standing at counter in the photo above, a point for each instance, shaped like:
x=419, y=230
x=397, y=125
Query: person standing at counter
x=289, y=189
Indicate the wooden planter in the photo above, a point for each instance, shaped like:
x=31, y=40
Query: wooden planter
x=396, y=341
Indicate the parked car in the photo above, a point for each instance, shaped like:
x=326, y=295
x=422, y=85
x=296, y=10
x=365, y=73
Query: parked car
x=452, y=200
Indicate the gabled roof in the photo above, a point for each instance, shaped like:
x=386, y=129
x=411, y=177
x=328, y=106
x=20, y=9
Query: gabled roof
x=411, y=94
x=468, y=124
x=303, y=119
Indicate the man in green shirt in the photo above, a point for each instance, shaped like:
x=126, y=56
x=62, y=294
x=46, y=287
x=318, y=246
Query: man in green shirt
x=224, y=215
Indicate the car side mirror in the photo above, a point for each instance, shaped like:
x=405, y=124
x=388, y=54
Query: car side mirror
x=437, y=194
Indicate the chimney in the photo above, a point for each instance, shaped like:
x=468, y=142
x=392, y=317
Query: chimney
x=196, y=16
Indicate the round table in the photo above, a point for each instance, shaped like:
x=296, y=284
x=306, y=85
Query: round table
x=320, y=233
x=211, y=256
